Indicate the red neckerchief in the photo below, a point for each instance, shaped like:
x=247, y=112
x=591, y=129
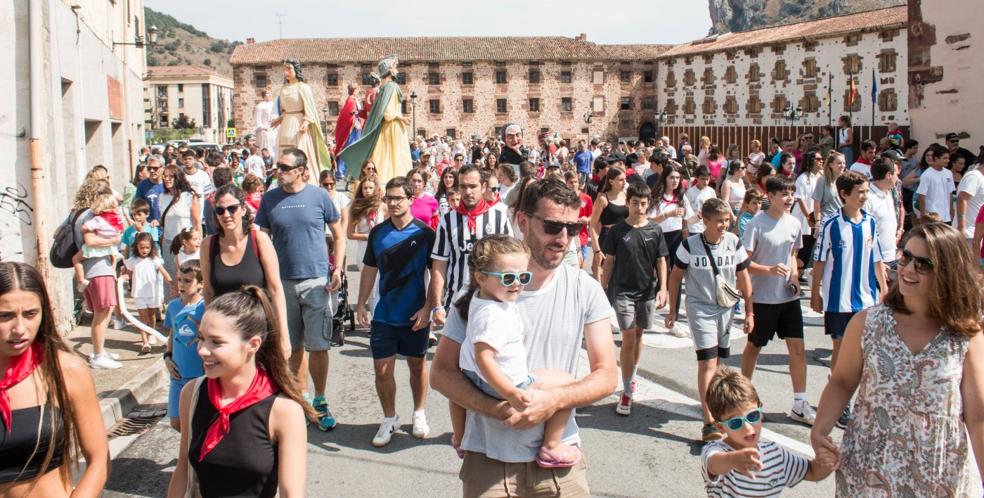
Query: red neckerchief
x=113, y=218
x=371, y=218
x=864, y=161
x=476, y=211
x=19, y=368
x=261, y=389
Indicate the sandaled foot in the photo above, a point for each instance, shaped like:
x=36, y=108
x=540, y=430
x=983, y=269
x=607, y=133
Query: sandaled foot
x=144, y=350
x=457, y=447
x=562, y=456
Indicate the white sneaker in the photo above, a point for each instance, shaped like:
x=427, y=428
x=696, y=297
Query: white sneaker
x=152, y=340
x=803, y=412
x=111, y=355
x=420, y=427
x=386, y=430
x=679, y=331
x=104, y=361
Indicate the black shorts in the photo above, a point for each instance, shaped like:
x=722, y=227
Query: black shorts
x=835, y=323
x=784, y=320
x=389, y=340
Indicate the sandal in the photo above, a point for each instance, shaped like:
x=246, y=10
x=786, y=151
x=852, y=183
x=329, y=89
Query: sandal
x=550, y=459
x=457, y=447
x=144, y=350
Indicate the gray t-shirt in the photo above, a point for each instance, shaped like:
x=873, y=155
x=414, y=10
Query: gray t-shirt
x=830, y=202
x=769, y=242
x=554, y=317
x=729, y=256
x=93, y=267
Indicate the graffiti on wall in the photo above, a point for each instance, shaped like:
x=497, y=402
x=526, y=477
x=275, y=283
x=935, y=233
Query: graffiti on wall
x=15, y=214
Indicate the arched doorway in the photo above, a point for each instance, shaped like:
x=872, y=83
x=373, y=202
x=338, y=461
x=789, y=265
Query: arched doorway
x=647, y=131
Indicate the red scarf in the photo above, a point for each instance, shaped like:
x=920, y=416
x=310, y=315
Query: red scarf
x=18, y=369
x=113, y=218
x=481, y=208
x=261, y=389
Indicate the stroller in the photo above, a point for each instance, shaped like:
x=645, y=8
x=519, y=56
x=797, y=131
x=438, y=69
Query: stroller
x=343, y=313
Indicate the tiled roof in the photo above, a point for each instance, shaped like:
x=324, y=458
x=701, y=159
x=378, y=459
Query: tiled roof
x=179, y=71
x=892, y=17
x=635, y=52
x=434, y=49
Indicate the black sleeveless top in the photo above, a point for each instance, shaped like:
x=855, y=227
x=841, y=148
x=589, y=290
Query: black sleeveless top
x=19, y=460
x=248, y=271
x=245, y=461
x=613, y=213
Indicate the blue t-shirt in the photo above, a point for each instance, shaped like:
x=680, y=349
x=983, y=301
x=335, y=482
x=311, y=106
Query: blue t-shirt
x=401, y=256
x=583, y=161
x=296, y=221
x=183, y=320
x=126, y=240
x=150, y=192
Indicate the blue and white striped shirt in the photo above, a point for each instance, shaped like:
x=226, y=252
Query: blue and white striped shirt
x=849, y=252
x=781, y=469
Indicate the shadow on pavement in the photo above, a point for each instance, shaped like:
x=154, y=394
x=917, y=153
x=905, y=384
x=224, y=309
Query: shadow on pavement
x=360, y=437
x=153, y=478
x=645, y=421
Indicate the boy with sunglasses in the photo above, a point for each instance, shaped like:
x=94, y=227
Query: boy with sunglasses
x=635, y=263
x=742, y=464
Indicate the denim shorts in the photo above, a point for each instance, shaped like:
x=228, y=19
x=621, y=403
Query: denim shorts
x=487, y=389
x=174, y=396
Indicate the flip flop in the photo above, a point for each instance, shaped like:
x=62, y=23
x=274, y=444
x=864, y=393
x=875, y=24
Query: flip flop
x=556, y=460
x=457, y=447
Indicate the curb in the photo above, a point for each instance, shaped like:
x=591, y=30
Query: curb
x=117, y=404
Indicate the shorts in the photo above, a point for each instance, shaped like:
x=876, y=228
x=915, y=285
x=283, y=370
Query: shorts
x=309, y=314
x=835, y=323
x=632, y=313
x=712, y=333
x=482, y=476
x=784, y=320
x=488, y=389
x=101, y=293
x=389, y=340
x=174, y=396
x=142, y=303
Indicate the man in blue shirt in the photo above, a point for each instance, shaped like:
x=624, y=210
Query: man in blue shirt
x=151, y=188
x=583, y=159
x=399, y=250
x=295, y=214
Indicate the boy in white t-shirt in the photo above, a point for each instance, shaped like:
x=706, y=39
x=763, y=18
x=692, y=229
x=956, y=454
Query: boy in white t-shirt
x=695, y=196
x=493, y=355
x=936, y=186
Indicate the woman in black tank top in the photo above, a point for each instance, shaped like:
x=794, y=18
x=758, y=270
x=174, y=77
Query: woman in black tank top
x=238, y=255
x=248, y=389
x=609, y=209
x=47, y=397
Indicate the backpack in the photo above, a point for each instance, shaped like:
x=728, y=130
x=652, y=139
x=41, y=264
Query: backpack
x=63, y=246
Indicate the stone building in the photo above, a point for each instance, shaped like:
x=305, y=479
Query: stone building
x=470, y=85
x=73, y=84
x=198, y=93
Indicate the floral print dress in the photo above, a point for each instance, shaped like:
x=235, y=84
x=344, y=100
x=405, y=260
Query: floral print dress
x=906, y=437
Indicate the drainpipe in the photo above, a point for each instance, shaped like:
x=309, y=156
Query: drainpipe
x=36, y=47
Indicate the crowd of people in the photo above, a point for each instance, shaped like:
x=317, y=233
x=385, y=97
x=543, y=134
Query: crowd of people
x=522, y=255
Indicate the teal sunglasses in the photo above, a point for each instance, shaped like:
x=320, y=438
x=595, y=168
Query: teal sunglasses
x=507, y=279
x=752, y=417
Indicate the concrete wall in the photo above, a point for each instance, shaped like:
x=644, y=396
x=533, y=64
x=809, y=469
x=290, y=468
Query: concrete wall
x=91, y=115
x=946, y=75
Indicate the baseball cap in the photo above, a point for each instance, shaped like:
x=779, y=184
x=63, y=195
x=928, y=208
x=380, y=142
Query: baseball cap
x=952, y=136
x=893, y=155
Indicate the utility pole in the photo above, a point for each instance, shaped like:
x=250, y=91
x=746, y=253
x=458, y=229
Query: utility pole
x=280, y=24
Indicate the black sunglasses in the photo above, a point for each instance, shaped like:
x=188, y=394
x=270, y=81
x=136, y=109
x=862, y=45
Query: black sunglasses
x=552, y=227
x=286, y=167
x=923, y=265
x=231, y=209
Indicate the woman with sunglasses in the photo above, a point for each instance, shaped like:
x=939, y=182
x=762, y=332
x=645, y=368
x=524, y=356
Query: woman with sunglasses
x=180, y=209
x=916, y=363
x=239, y=255
x=425, y=206
x=733, y=187
x=339, y=199
x=826, y=201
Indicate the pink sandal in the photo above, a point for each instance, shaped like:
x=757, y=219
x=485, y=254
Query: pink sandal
x=457, y=447
x=556, y=460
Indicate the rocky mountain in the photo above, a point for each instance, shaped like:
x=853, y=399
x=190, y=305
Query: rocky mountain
x=743, y=15
x=180, y=43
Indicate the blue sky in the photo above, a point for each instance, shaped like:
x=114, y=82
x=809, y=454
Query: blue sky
x=626, y=21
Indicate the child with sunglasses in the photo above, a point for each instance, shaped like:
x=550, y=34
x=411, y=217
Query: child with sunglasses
x=741, y=464
x=493, y=356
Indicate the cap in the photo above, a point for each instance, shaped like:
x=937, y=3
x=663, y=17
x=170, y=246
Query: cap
x=952, y=136
x=893, y=155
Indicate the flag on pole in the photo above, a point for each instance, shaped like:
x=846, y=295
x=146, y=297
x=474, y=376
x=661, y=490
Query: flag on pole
x=854, y=92
x=874, y=87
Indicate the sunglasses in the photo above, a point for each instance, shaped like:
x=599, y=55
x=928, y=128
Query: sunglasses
x=734, y=424
x=507, y=279
x=286, y=167
x=153, y=168
x=394, y=198
x=231, y=209
x=494, y=189
x=923, y=265
x=552, y=227
x=328, y=185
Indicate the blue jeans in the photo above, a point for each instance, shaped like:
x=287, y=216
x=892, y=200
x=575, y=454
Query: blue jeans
x=487, y=389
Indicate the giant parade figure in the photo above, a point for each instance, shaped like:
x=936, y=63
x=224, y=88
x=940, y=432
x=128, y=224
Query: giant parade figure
x=266, y=136
x=348, y=129
x=298, y=122
x=384, y=136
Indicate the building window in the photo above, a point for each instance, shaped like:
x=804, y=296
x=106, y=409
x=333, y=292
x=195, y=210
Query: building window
x=809, y=46
x=779, y=71
x=366, y=79
x=401, y=78
x=566, y=104
x=434, y=106
x=648, y=103
x=754, y=105
x=333, y=108
x=598, y=76
x=731, y=75
x=689, y=78
x=888, y=100
x=331, y=79
x=433, y=78
x=451, y=133
x=670, y=79
x=500, y=106
x=810, y=102
x=709, y=106
x=566, y=76
x=731, y=105
x=648, y=76
x=708, y=78
x=689, y=106
x=534, y=76
x=852, y=40
x=625, y=76
x=468, y=106
x=534, y=104
x=181, y=102
x=181, y=87
x=625, y=104
x=467, y=78
x=598, y=104
x=671, y=107
x=206, y=105
x=810, y=68
x=886, y=61
x=162, y=91
x=500, y=76
x=852, y=64
x=260, y=77
x=779, y=104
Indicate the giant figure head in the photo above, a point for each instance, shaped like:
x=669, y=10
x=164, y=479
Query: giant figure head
x=387, y=66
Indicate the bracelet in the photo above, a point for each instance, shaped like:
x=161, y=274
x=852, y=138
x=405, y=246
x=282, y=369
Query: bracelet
x=437, y=308
x=597, y=251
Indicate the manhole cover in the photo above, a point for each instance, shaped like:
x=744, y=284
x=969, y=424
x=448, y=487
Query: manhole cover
x=137, y=422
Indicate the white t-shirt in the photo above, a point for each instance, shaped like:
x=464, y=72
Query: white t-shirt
x=667, y=205
x=200, y=183
x=805, y=185
x=256, y=166
x=881, y=207
x=973, y=184
x=499, y=325
x=145, y=282
x=937, y=187
x=695, y=200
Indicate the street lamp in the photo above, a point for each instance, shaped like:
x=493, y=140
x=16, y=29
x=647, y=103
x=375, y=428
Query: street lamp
x=324, y=114
x=660, y=119
x=413, y=105
x=138, y=42
x=793, y=114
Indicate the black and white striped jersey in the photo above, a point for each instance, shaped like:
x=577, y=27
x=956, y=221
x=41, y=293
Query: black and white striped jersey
x=455, y=241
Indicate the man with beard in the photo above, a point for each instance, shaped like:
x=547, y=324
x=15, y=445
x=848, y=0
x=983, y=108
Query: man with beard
x=562, y=305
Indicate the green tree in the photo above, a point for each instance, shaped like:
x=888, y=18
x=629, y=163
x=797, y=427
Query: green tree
x=182, y=122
